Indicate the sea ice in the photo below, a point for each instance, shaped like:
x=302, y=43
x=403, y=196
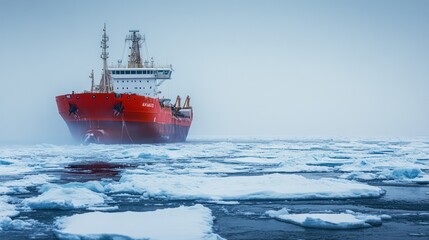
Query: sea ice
x=20, y=185
x=60, y=197
x=253, y=160
x=328, y=220
x=6, y=212
x=423, y=179
x=7, y=209
x=401, y=173
x=271, y=186
x=187, y=223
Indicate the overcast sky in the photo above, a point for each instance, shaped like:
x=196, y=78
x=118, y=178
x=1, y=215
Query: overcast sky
x=252, y=68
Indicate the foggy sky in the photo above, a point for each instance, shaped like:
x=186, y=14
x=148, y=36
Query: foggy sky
x=252, y=68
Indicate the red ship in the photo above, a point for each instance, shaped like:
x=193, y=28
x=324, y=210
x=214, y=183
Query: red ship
x=125, y=107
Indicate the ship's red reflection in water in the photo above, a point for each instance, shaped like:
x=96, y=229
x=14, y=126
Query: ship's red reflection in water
x=94, y=170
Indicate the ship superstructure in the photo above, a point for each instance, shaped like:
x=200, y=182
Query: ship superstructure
x=125, y=106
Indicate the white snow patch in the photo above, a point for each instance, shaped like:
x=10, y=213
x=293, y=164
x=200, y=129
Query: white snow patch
x=328, y=220
x=112, y=208
x=253, y=161
x=224, y=202
x=363, y=176
x=271, y=186
x=188, y=223
x=57, y=197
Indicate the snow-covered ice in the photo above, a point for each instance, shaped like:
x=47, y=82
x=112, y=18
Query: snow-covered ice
x=21, y=185
x=328, y=220
x=59, y=197
x=7, y=211
x=270, y=186
x=187, y=223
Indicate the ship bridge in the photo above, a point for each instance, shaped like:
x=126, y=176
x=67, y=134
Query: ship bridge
x=141, y=81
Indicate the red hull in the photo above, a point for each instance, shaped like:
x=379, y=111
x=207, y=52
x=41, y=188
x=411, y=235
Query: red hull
x=125, y=118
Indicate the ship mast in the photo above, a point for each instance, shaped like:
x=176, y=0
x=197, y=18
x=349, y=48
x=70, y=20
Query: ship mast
x=134, y=60
x=92, y=80
x=105, y=82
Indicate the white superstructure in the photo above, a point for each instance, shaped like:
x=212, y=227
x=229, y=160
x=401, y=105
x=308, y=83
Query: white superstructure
x=136, y=78
x=142, y=81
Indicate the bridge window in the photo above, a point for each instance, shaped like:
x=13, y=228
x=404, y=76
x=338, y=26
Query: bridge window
x=133, y=72
x=139, y=72
x=122, y=72
x=127, y=72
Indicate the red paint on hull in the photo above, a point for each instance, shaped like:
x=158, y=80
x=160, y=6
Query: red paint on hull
x=126, y=118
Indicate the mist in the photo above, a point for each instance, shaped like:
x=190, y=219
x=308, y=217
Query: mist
x=252, y=68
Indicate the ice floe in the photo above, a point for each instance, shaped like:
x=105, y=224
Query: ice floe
x=63, y=197
x=348, y=220
x=7, y=211
x=270, y=186
x=396, y=175
x=21, y=185
x=187, y=223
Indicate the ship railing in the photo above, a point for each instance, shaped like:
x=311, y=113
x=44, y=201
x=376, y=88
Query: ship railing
x=154, y=67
